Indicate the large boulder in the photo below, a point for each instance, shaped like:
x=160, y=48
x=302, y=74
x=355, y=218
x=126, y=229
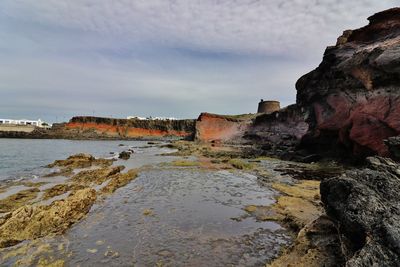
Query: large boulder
x=365, y=204
x=353, y=97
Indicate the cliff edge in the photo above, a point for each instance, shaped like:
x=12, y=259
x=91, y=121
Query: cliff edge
x=352, y=98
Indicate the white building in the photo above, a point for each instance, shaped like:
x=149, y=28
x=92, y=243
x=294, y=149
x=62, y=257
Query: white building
x=136, y=118
x=150, y=118
x=38, y=123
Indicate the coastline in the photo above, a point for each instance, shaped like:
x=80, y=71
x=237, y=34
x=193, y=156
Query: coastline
x=202, y=156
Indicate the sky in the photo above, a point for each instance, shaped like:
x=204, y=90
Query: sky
x=171, y=58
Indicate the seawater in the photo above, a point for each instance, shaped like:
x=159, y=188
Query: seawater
x=197, y=215
x=23, y=158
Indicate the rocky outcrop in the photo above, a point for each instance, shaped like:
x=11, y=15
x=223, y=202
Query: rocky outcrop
x=352, y=99
x=222, y=128
x=107, y=128
x=393, y=143
x=30, y=222
x=365, y=205
x=280, y=131
x=94, y=127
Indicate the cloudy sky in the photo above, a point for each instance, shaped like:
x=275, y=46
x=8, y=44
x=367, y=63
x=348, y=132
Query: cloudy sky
x=60, y=58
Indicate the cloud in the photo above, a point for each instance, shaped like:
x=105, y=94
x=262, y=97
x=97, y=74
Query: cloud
x=158, y=57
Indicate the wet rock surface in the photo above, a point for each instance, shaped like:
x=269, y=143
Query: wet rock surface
x=365, y=206
x=124, y=155
x=80, y=161
x=18, y=199
x=317, y=244
x=30, y=222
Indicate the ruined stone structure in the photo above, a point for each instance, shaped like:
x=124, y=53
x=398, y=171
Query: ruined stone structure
x=268, y=106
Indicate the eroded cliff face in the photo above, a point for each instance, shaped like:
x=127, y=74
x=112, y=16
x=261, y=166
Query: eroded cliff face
x=352, y=99
x=222, y=128
x=107, y=128
x=96, y=127
x=277, y=133
x=283, y=128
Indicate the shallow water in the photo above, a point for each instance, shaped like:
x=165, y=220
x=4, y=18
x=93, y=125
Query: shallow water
x=191, y=222
x=22, y=158
x=168, y=216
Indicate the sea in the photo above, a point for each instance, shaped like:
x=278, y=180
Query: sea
x=24, y=158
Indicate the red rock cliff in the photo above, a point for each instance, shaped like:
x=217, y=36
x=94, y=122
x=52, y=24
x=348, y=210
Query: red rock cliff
x=353, y=98
x=224, y=128
x=95, y=127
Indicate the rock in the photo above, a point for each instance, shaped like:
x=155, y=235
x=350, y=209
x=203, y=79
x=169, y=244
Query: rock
x=222, y=128
x=81, y=160
x=124, y=155
x=108, y=128
x=118, y=180
x=316, y=245
x=352, y=98
x=96, y=176
x=365, y=207
x=393, y=144
x=311, y=158
x=88, y=128
x=30, y=222
x=18, y=199
x=153, y=143
x=60, y=189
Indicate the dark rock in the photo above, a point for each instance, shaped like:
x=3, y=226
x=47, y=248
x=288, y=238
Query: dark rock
x=393, y=143
x=365, y=205
x=266, y=146
x=352, y=98
x=124, y=155
x=311, y=158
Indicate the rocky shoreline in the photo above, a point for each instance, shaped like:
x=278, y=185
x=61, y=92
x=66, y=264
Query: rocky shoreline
x=347, y=110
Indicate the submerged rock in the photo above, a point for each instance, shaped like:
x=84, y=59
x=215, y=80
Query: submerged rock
x=124, y=155
x=365, y=205
x=30, y=222
x=119, y=180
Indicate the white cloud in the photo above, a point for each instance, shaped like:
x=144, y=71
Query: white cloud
x=243, y=26
x=158, y=57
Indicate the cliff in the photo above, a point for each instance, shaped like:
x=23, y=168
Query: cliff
x=277, y=133
x=107, y=128
x=352, y=98
x=224, y=128
x=95, y=127
x=282, y=128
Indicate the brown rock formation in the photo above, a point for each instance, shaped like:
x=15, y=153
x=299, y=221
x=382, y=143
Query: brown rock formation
x=213, y=127
x=133, y=128
x=107, y=128
x=282, y=128
x=30, y=222
x=352, y=99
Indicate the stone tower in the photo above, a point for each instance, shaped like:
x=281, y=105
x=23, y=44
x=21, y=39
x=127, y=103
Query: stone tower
x=268, y=106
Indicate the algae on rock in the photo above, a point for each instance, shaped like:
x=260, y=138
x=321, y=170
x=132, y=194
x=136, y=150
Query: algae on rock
x=30, y=222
